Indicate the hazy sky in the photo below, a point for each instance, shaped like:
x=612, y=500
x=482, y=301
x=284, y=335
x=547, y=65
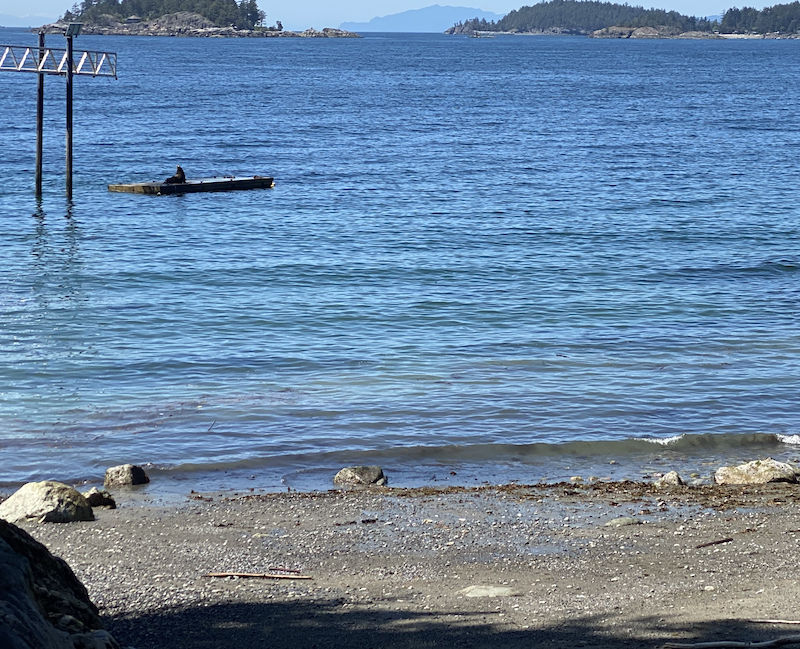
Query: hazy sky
x=300, y=14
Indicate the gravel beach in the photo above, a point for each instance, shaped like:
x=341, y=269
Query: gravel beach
x=512, y=566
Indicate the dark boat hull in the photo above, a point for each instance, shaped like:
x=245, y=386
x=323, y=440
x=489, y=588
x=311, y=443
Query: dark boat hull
x=197, y=185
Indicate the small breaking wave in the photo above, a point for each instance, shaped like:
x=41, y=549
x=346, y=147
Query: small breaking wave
x=687, y=446
x=667, y=441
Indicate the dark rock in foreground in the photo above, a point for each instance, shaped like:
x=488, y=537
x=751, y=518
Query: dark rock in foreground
x=43, y=605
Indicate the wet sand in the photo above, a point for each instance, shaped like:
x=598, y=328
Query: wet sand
x=390, y=567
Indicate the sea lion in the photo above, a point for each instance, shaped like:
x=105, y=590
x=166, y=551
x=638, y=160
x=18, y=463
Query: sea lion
x=178, y=178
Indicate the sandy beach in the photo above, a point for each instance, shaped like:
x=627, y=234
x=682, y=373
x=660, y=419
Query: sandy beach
x=398, y=567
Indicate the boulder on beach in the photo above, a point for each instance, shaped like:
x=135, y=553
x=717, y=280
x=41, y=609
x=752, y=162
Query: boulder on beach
x=671, y=479
x=756, y=472
x=97, y=498
x=360, y=475
x=46, y=502
x=124, y=475
x=43, y=605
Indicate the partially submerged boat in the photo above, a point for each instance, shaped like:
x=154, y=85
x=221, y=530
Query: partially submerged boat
x=215, y=184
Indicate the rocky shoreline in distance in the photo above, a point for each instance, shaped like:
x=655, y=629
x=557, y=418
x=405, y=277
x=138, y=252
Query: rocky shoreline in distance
x=651, y=32
x=468, y=30
x=669, y=32
x=187, y=24
x=617, y=31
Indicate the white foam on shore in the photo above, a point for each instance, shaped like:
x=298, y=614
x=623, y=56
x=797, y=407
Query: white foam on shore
x=789, y=439
x=666, y=441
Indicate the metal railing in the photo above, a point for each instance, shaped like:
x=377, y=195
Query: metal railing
x=51, y=60
x=42, y=61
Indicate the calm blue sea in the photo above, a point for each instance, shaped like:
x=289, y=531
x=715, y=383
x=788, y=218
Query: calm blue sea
x=484, y=260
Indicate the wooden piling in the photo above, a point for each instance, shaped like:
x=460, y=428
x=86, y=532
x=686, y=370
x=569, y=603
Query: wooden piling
x=42, y=60
x=39, y=120
x=69, y=116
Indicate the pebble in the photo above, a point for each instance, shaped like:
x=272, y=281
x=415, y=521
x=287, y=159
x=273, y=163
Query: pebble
x=622, y=521
x=490, y=591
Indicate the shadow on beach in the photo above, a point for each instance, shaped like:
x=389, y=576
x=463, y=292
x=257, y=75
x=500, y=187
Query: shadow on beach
x=330, y=624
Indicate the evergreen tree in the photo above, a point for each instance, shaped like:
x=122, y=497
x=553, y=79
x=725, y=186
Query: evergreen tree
x=581, y=17
x=779, y=18
x=223, y=13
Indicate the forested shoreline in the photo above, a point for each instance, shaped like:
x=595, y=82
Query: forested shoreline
x=224, y=13
x=783, y=18
x=587, y=16
x=552, y=16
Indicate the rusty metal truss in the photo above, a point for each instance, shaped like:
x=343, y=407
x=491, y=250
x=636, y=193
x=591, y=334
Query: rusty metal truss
x=50, y=60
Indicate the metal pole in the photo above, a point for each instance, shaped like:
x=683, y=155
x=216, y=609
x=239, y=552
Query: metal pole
x=69, y=116
x=39, y=120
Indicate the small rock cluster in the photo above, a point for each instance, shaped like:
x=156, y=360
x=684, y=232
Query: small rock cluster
x=55, y=502
x=46, y=502
x=749, y=473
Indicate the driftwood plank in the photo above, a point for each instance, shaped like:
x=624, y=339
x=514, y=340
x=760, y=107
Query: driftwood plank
x=710, y=543
x=255, y=575
x=726, y=644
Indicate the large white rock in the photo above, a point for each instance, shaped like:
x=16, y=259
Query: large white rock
x=46, y=502
x=756, y=472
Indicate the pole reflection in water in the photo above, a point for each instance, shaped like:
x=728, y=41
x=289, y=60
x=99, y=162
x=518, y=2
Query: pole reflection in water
x=57, y=262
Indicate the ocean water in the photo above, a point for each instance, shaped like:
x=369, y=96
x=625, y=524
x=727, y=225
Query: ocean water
x=484, y=260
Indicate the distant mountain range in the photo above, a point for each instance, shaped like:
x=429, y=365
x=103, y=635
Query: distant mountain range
x=26, y=21
x=429, y=19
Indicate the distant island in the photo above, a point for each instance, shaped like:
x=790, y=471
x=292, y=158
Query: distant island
x=223, y=18
x=209, y=18
x=28, y=21
x=433, y=19
x=612, y=20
